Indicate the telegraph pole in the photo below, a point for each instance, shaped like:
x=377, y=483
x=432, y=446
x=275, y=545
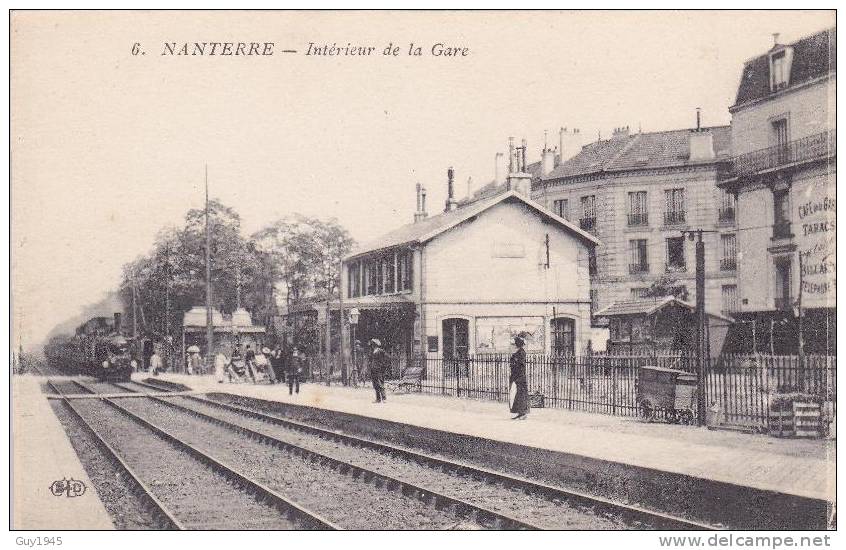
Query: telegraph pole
x=702, y=343
x=700, y=322
x=209, y=319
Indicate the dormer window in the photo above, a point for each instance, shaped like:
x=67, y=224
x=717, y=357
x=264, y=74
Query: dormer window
x=780, y=62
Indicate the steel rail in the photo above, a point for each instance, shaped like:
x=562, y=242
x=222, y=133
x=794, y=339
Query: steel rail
x=159, y=510
x=627, y=512
x=263, y=493
x=462, y=508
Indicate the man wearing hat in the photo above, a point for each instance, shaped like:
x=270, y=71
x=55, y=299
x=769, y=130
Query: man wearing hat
x=295, y=370
x=379, y=365
x=518, y=389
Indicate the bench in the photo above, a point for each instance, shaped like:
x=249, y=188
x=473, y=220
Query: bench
x=410, y=377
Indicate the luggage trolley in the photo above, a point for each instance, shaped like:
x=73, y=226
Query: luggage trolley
x=673, y=392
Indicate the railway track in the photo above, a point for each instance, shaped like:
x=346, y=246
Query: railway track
x=499, y=499
x=188, y=489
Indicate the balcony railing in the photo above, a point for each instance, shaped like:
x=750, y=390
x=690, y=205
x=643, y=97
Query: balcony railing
x=781, y=230
x=674, y=217
x=639, y=218
x=587, y=223
x=726, y=214
x=638, y=268
x=676, y=267
x=810, y=148
x=728, y=264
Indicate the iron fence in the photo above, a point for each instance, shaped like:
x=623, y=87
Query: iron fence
x=742, y=386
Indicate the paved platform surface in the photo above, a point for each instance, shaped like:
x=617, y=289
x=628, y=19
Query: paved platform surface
x=42, y=454
x=794, y=466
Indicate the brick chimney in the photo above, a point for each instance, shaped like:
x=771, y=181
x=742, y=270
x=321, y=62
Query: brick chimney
x=499, y=169
x=420, y=213
x=701, y=142
x=570, y=143
x=547, y=157
x=620, y=133
x=451, y=203
x=518, y=179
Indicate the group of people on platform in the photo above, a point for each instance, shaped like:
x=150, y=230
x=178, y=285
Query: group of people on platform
x=276, y=366
x=289, y=364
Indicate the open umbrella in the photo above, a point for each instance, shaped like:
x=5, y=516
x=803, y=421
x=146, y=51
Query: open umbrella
x=193, y=349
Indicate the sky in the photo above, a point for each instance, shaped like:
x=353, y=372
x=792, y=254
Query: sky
x=108, y=147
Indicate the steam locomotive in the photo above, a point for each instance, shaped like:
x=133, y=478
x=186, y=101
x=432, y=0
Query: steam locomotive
x=97, y=349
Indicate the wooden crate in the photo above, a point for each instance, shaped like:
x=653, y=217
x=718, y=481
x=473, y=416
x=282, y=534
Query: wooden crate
x=806, y=419
x=781, y=423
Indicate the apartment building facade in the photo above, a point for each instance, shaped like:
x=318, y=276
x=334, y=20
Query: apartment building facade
x=783, y=174
x=637, y=192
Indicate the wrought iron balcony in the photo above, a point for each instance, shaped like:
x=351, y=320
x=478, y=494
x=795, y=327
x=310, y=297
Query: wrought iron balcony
x=728, y=264
x=587, y=223
x=639, y=268
x=806, y=149
x=639, y=218
x=674, y=217
x=676, y=267
x=726, y=214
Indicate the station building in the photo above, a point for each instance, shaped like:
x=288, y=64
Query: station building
x=467, y=280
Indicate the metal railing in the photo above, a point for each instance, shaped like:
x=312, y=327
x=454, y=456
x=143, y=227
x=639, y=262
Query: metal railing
x=587, y=223
x=639, y=218
x=674, y=217
x=806, y=149
x=606, y=383
x=638, y=268
x=675, y=267
x=726, y=214
x=728, y=264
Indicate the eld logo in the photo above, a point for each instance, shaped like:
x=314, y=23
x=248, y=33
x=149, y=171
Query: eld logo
x=68, y=487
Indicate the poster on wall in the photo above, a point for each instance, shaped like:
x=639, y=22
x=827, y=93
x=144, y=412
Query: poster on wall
x=817, y=254
x=496, y=334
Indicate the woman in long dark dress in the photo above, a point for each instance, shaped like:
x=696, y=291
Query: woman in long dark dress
x=520, y=405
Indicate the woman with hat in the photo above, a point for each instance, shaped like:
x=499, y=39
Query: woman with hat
x=518, y=388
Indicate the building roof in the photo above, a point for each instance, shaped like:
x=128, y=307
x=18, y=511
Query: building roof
x=813, y=56
x=640, y=151
x=428, y=228
x=649, y=306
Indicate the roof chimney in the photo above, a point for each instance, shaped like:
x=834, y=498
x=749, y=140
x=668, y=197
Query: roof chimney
x=570, y=143
x=511, y=165
x=775, y=38
x=620, y=133
x=423, y=212
x=547, y=158
x=420, y=213
x=469, y=187
x=499, y=169
x=451, y=203
x=701, y=142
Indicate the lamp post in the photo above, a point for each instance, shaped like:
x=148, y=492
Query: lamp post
x=354, y=314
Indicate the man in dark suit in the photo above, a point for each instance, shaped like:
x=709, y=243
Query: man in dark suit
x=379, y=365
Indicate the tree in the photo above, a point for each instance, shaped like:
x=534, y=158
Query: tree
x=666, y=285
x=173, y=273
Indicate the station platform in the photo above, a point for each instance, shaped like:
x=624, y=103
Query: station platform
x=799, y=467
x=41, y=454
